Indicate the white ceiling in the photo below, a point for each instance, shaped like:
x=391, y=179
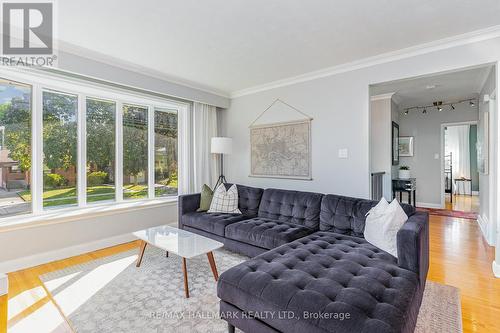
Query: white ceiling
x=446, y=87
x=229, y=45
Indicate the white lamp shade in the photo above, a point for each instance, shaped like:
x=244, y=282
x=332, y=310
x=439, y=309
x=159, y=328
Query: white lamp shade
x=221, y=145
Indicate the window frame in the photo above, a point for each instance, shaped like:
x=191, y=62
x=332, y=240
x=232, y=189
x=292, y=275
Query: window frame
x=40, y=81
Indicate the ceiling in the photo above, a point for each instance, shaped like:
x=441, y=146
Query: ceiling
x=446, y=87
x=229, y=45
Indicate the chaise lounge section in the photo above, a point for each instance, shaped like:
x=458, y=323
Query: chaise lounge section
x=312, y=270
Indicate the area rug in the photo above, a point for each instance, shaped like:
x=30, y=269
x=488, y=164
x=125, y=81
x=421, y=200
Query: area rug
x=112, y=295
x=449, y=213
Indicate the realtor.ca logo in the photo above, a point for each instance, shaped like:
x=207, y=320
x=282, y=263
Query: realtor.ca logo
x=28, y=33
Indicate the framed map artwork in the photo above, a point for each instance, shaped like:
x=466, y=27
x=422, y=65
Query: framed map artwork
x=281, y=150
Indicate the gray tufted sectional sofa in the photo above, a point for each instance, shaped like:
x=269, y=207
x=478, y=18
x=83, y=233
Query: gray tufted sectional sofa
x=311, y=269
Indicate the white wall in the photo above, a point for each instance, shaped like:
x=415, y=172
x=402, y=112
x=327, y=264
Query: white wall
x=340, y=106
x=426, y=129
x=24, y=246
x=96, y=69
x=381, y=140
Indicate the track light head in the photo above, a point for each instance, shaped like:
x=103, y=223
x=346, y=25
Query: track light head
x=424, y=111
x=472, y=104
x=452, y=107
x=440, y=109
x=407, y=111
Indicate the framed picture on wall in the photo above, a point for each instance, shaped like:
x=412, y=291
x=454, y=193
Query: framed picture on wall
x=406, y=146
x=395, y=143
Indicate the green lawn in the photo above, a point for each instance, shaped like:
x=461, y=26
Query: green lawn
x=67, y=196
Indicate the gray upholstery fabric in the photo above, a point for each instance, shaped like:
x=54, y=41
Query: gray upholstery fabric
x=291, y=206
x=231, y=245
x=413, y=245
x=345, y=215
x=214, y=223
x=187, y=203
x=248, y=198
x=324, y=273
x=266, y=233
x=244, y=322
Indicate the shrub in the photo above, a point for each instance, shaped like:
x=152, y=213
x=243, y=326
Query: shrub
x=54, y=180
x=97, y=178
x=173, y=181
x=170, y=181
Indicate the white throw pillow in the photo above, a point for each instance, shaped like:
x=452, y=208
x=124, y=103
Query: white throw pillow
x=379, y=208
x=382, y=225
x=225, y=201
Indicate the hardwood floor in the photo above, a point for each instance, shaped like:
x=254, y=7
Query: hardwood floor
x=31, y=307
x=464, y=203
x=459, y=257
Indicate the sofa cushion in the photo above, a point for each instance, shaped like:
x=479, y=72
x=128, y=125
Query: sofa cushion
x=266, y=233
x=323, y=273
x=214, y=223
x=345, y=215
x=225, y=200
x=301, y=208
x=248, y=198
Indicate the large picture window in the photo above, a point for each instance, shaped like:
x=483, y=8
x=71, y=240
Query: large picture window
x=100, y=150
x=165, y=152
x=15, y=148
x=60, y=139
x=135, y=151
x=66, y=143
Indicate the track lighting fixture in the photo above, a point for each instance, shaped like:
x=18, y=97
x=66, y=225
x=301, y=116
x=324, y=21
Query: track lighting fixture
x=439, y=106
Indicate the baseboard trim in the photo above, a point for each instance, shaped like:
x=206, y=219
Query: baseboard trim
x=496, y=269
x=483, y=225
x=43, y=258
x=428, y=205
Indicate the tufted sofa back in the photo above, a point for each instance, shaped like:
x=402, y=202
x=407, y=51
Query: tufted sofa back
x=345, y=215
x=248, y=198
x=295, y=207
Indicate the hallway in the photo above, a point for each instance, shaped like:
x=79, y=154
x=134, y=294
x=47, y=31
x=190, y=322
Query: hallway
x=464, y=203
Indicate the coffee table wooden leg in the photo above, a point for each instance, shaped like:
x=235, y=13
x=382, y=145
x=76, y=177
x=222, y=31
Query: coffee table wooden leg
x=211, y=260
x=142, y=248
x=186, y=285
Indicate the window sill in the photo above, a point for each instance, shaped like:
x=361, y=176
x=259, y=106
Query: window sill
x=77, y=213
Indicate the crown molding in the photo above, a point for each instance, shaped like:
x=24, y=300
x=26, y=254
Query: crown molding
x=437, y=45
x=123, y=64
x=397, y=99
x=382, y=96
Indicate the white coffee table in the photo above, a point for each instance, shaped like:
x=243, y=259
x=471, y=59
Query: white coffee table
x=181, y=242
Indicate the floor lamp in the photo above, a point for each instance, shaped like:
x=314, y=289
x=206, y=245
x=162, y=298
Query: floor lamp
x=222, y=146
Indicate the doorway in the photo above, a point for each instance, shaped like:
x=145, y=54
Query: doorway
x=460, y=172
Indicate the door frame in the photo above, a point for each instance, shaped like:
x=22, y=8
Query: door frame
x=443, y=125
